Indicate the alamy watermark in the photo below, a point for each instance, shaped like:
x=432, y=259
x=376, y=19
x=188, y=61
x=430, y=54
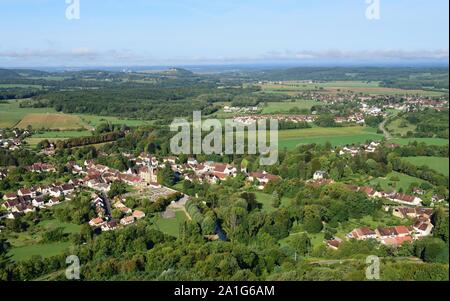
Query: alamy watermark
x=73, y=270
x=373, y=10
x=73, y=10
x=260, y=139
x=373, y=270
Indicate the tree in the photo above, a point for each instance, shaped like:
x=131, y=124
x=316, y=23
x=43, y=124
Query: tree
x=4, y=246
x=276, y=200
x=166, y=176
x=441, y=229
x=209, y=224
x=312, y=219
x=431, y=250
x=116, y=214
x=117, y=188
x=301, y=244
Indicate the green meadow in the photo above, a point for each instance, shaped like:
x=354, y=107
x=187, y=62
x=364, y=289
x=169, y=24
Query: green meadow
x=94, y=120
x=430, y=141
x=171, y=226
x=27, y=244
x=285, y=107
x=438, y=164
x=395, y=180
x=266, y=201
x=336, y=136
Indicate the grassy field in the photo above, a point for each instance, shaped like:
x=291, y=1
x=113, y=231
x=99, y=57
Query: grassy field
x=336, y=136
x=171, y=226
x=53, y=121
x=388, y=183
x=284, y=107
x=438, y=164
x=400, y=126
x=266, y=200
x=28, y=244
x=44, y=250
x=61, y=134
x=430, y=141
x=69, y=228
x=55, y=136
x=94, y=120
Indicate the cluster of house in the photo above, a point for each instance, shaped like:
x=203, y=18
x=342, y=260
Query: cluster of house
x=10, y=143
x=418, y=102
x=355, y=150
x=213, y=172
x=229, y=109
x=397, y=235
x=104, y=221
x=41, y=167
x=12, y=139
x=357, y=118
x=100, y=177
x=295, y=118
x=401, y=198
x=371, y=110
x=28, y=199
x=207, y=172
x=320, y=179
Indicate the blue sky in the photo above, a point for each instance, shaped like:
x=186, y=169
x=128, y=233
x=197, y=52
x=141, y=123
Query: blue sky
x=171, y=32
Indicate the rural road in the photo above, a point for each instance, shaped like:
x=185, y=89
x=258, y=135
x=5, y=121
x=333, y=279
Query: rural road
x=386, y=133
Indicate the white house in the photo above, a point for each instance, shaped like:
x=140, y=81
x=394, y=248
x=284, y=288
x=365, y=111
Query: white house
x=319, y=175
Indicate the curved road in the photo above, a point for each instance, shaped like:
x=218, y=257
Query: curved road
x=386, y=133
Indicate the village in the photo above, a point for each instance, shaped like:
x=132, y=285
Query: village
x=143, y=177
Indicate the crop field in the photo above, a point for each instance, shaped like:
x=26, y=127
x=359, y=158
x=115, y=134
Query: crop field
x=284, y=107
x=371, y=88
x=52, y=121
x=11, y=113
x=5, y=86
x=336, y=136
x=438, y=164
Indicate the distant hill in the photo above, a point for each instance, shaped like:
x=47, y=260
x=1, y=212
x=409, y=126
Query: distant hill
x=177, y=72
x=20, y=73
x=30, y=72
x=6, y=73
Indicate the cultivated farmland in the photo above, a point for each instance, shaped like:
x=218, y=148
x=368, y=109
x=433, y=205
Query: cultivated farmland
x=53, y=121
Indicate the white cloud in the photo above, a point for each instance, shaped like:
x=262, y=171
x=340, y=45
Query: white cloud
x=85, y=56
